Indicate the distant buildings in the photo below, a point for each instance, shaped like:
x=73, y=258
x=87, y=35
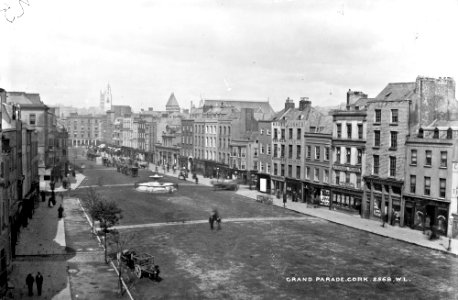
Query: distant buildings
x=354, y=159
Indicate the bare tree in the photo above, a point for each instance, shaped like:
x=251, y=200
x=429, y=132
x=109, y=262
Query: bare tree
x=108, y=214
x=122, y=242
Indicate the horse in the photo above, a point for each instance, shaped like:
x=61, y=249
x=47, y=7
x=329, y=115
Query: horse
x=214, y=217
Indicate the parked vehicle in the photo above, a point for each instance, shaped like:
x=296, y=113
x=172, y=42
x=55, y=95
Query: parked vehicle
x=225, y=184
x=142, y=264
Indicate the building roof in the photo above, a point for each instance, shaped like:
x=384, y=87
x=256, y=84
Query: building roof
x=172, y=102
x=260, y=107
x=397, y=91
x=24, y=98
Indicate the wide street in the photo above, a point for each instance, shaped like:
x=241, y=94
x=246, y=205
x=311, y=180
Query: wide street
x=261, y=250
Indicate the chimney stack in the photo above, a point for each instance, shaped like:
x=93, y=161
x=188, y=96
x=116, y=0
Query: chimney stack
x=304, y=103
x=289, y=104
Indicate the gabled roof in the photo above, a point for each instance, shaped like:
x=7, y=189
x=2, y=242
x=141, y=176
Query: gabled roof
x=172, y=101
x=397, y=91
x=24, y=98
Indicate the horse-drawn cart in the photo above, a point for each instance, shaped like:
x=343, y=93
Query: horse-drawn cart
x=142, y=264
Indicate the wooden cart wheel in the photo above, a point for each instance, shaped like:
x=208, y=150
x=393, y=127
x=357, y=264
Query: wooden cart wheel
x=138, y=271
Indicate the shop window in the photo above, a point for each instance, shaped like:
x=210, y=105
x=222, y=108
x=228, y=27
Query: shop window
x=443, y=159
x=427, y=186
x=442, y=186
x=428, y=157
x=413, y=183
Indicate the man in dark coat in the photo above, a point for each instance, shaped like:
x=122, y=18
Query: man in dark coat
x=39, y=281
x=29, y=281
x=284, y=199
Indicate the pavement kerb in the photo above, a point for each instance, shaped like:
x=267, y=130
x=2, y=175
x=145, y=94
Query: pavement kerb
x=101, y=244
x=376, y=233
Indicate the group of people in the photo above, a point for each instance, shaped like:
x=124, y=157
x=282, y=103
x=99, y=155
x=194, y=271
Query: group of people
x=30, y=280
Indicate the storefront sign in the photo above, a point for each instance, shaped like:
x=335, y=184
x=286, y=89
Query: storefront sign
x=349, y=184
x=325, y=197
x=262, y=185
x=347, y=169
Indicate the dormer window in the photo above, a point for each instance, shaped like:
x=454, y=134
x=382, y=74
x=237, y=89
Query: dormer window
x=449, y=133
x=436, y=134
x=420, y=133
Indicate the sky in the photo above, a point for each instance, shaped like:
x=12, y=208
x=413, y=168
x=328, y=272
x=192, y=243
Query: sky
x=259, y=50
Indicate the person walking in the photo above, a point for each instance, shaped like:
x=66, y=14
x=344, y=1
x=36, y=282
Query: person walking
x=60, y=211
x=39, y=281
x=29, y=281
x=43, y=196
x=284, y=200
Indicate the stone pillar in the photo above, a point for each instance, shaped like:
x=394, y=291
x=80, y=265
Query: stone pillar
x=403, y=204
x=371, y=203
x=390, y=204
x=382, y=208
x=364, y=200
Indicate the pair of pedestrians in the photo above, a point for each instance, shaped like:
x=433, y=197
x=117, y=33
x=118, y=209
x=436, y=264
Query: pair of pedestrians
x=30, y=280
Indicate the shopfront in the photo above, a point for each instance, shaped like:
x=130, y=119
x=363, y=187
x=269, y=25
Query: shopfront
x=346, y=198
x=424, y=214
x=278, y=184
x=293, y=190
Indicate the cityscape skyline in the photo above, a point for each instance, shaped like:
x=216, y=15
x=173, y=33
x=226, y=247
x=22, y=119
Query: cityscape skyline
x=234, y=50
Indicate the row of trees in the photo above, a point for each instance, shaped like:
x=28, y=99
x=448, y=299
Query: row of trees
x=107, y=214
